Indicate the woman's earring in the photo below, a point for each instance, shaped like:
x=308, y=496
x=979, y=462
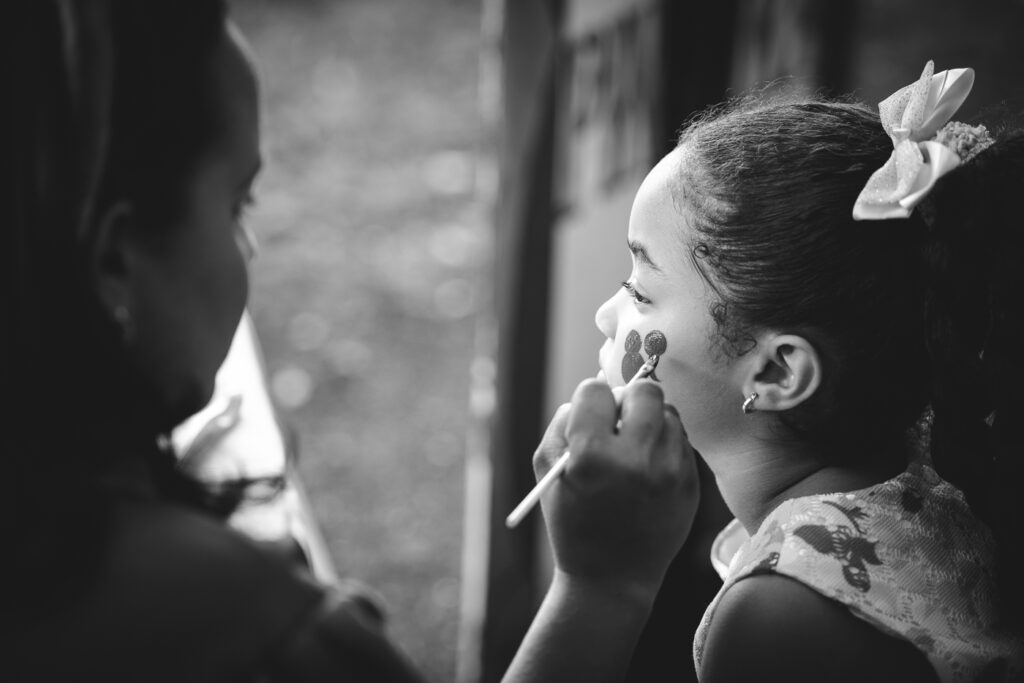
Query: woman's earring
x=247, y=243
x=748, y=404
x=125, y=322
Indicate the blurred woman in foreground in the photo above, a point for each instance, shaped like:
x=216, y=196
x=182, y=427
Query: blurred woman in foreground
x=132, y=144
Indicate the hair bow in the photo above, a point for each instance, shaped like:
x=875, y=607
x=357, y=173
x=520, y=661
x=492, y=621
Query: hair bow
x=912, y=116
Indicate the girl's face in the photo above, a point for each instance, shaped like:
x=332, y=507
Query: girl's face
x=663, y=308
x=192, y=288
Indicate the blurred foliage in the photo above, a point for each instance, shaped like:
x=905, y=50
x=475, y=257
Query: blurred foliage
x=374, y=254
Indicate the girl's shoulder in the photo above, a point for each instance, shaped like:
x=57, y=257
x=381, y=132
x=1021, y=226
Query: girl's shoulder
x=903, y=559
x=769, y=626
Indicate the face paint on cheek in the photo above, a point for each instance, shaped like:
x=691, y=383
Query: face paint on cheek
x=655, y=343
x=632, y=361
x=632, y=341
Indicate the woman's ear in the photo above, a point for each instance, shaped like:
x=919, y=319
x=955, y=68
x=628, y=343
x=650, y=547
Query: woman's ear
x=786, y=373
x=111, y=257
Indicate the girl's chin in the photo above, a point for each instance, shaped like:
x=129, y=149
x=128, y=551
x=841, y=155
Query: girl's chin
x=601, y=377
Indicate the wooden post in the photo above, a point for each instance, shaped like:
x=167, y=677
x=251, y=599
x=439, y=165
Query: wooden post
x=808, y=40
x=529, y=30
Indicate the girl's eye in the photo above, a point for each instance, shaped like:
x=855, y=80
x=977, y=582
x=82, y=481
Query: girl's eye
x=637, y=297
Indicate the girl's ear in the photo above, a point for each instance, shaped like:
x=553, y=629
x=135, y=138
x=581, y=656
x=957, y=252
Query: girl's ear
x=786, y=372
x=111, y=258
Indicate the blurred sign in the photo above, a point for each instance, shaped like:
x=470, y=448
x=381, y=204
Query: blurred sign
x=606, y=98
x=607, y=101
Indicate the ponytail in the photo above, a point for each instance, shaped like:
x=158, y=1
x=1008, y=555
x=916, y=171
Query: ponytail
x=974, y=320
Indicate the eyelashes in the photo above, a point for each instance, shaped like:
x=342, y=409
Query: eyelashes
x=631, y=289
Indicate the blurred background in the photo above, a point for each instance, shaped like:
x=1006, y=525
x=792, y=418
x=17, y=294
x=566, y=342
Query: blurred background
x=441, y=212
x=373, y=249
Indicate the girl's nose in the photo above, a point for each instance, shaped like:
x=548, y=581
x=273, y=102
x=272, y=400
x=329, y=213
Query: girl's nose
x=606, y=318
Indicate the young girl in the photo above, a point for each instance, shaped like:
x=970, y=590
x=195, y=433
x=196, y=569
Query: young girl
x=835, y=298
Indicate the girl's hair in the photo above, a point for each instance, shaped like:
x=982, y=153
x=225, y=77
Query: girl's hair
x=106, y=100
x=916, y=320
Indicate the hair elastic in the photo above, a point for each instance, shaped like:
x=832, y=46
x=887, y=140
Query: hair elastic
x=125, y=322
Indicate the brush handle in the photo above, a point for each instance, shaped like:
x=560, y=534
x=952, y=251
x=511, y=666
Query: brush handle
x=533, y=497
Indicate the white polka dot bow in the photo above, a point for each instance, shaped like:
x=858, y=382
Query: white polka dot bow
x=923, y=150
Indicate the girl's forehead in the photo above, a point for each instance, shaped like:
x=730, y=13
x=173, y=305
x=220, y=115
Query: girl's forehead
x=655, y=218
x=663, y=176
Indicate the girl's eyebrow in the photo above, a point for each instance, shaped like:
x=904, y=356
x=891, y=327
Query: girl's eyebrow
x=640, y=252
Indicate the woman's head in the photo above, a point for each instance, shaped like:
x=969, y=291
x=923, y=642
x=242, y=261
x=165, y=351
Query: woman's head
x=818, y=314
x=170, y=219
x=136, y=139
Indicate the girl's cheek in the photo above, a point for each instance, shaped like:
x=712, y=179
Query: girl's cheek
x=637, y=349
x=655, y=343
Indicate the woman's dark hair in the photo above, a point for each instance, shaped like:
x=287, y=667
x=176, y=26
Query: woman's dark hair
x=164, y=109
x=104, y=100
x=916, y=321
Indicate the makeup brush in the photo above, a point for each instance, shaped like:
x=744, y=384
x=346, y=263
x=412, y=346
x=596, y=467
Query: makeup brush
x=533, y=497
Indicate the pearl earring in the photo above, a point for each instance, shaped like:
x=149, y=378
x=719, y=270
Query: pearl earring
x=125, y=322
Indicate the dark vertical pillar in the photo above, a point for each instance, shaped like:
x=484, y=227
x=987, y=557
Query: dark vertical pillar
x=808, y=40
x=525, y=215
x=697, y=51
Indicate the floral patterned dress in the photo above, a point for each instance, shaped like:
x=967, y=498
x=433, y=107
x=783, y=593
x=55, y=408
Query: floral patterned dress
x=906, y=555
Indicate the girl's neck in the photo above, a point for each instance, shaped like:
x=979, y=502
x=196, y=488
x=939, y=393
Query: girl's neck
x=757, y=480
